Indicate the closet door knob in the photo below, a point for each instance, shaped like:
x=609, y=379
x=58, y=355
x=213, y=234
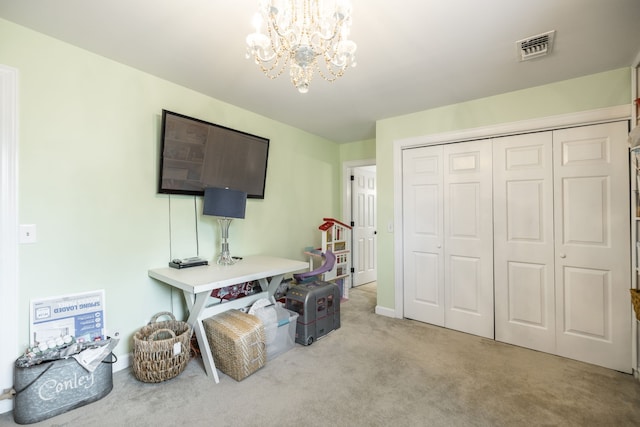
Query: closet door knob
x=563, y=255
x=439, y=246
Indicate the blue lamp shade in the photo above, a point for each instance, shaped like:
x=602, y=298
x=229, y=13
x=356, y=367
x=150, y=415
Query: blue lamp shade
x=224, y=202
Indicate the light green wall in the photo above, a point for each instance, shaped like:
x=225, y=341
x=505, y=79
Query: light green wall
x=358, y=150
x=88, y=156
x=89, y=135
x=612, y=88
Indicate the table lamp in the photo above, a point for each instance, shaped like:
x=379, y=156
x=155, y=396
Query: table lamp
x=225, y=204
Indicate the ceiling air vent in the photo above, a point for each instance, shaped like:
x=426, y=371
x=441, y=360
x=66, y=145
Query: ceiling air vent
x=535, y=46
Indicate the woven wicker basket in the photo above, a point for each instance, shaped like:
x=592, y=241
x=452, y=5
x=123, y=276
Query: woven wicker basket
x=635, y=300
x=237, y=342
x=161, y=350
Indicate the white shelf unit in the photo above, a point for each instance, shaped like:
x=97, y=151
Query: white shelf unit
x=336, y=237
x=635, y=240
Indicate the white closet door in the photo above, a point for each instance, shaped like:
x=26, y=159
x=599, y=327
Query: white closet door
x=422, y=234
x=468, y=244
x=523, y=227
x=592, y=229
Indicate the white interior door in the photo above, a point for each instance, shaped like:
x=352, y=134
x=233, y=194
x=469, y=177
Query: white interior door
x=523, y=240
x=363, y=190
x=422, y=192
x=468, y=243
x=593, y=315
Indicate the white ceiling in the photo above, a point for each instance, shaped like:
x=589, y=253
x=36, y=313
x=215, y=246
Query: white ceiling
x=412, y=54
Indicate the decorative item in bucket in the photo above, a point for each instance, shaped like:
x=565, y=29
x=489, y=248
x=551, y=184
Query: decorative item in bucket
x=161, y=350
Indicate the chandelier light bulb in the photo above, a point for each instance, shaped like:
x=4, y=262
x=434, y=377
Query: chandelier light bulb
x=306, y=36
x=257, y=22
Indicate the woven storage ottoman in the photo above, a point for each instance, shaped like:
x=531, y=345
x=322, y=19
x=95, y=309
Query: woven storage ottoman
x=237, y=341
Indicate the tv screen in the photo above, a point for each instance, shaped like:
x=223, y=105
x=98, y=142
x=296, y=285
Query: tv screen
x=196, y=154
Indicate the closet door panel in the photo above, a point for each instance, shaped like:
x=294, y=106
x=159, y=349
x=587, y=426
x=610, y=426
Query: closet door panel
x=585, y=219
x=422, y=234
x=465, y=285
x=468, y=243
x=595, y=285
x=593, y=320
x=523, y=241
x=527, y=305
x=464, y=218
x=525, y=205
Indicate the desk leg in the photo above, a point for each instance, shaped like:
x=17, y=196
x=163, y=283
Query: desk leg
x=189, y=298
x=205, y=350
x=271, y=286
x=195, y=321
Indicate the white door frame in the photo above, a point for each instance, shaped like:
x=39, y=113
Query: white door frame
x=9, y=325
x=603, y=115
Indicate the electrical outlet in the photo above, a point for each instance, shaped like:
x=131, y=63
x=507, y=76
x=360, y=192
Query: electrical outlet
x=28, y=233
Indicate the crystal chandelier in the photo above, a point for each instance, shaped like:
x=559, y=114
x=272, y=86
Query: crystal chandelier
x=306, y=35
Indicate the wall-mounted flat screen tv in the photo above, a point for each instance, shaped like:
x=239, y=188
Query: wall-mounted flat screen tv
x=196, y=154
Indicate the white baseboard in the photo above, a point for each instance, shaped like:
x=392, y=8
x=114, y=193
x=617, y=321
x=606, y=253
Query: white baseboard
x=384, y=311
x=124, y=362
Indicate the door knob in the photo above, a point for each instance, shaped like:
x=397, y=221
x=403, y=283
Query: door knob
x=563, y=255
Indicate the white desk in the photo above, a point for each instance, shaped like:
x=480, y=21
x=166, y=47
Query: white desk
x=198, y=282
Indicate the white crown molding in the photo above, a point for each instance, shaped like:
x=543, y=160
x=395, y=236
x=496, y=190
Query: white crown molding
x=602, y=115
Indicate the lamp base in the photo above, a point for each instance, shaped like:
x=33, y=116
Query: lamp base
x=225, y=257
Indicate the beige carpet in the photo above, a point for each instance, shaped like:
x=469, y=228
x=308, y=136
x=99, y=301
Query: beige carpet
x=377, y=371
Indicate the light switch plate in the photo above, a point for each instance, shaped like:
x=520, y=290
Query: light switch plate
x=28, y=233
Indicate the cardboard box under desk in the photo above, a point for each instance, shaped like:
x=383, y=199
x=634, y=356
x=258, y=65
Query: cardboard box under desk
x=237, y=342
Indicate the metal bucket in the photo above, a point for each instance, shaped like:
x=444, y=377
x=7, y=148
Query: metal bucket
x=53, y=388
